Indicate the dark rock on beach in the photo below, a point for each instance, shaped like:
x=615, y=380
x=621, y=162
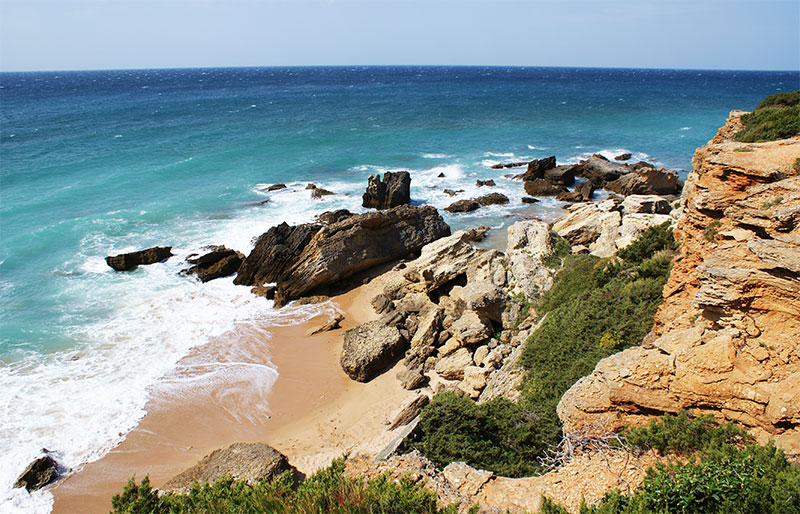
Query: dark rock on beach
x=252, y=462
x=583, y=193
x=392, y=191
x=274, y=252
x=463, y=206
x=371, y=348
x=38, y=474
x=340, y=250
x=128, y=261
x=219, y=262
x=647, y=181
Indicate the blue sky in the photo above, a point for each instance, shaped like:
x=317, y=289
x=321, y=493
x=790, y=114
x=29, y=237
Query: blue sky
x=114, y=34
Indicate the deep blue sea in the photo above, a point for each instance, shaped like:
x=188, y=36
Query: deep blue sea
x=98, y=163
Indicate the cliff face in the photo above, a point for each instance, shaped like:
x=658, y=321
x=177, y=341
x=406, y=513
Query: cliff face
x=726, y=341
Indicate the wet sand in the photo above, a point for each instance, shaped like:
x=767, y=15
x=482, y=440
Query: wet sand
x=316, y=413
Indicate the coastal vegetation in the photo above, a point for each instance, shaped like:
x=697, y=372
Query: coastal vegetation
x=712, y=469
x=328, y=491
x=776, y=117
x=595, y=308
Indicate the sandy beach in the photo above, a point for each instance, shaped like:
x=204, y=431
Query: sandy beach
x=316, y=413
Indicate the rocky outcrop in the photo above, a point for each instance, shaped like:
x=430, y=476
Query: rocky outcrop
x=528, y=243
x=562, y=175
x=393, y=190
x=492, y=199
x=725, y=341
x=252, y=462
x=517, y=164
x=543, y=187
x=370, y=349
x=484, y=183
x=38, y=474
x=599, y=170
x=537, y=168
x=474, y=204
x=219, y=262
x=357, y=243
x=274, y=252
x=129, y=261
x=582, y=193
x=605, y=227
x=647, y=181
x=463, y=206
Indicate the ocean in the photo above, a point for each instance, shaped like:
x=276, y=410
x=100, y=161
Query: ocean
x=103, y=162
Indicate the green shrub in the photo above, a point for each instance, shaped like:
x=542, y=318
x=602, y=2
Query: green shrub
x=652, y=240
x=561, y=249
x=326, y=492
x=496, y=435
x=780, y=100
x=776, y=117
x=678, y=433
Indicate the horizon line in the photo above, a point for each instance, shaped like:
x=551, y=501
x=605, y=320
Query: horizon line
x=296, y=66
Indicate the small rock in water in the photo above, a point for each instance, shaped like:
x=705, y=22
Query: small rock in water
x=276, y=187
x=38, y=474
x=481, y=183
x=129, y=261
x=623, y=157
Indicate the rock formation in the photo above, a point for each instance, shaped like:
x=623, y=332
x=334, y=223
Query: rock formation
x=129, y=261
x=252, y=462
x=726, y=340
x=219, y=262
x=274, y=251
x=38, y=474
x=537, y=168
x=393, y=190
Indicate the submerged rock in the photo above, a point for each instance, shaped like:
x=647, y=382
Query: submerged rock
x=392, y=191
x=129, y=261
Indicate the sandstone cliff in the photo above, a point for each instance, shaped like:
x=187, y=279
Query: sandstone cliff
x=726, y=340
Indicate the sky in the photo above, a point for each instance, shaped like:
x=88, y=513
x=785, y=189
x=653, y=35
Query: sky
x=122, y=34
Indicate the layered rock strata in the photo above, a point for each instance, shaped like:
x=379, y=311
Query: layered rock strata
x=726, y=340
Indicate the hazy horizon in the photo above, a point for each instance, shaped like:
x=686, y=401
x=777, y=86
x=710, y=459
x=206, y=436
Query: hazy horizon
x=81, y=35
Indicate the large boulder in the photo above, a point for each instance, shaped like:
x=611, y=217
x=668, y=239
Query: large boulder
x=463, y=206
x=528, y=243
x=649, y=204
x=357, y=243
x=274, y=251
x=219, y=262
x=252, y=462
x=492, y=199
x=393, y=190
x=371, y=348
x=563, y=175
x=128, y=261
x=38, y=474
x=600, y=170
x=542, y=187
x=647, y=181
x=583, y=193
x=537, y=167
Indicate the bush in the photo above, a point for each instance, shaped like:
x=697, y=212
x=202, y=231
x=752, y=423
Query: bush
x=651, y=241
x=678, y=433
x=327, y=491
x=776, y=117
x=496, y=435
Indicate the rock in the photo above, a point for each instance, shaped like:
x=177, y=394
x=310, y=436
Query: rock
x=542, y=187
x=329, y=217
x=466, y=479
x=394, y=190
x=312, y=300
x=649, y=204
x=478, y=234
x=623, y=157
x=252, y=462
x=331, y=325
x=129, y=261
x=647, y=181
x=452, y=366
x=599, y=170
x=585, y=224
x=318, y=193
x=440, y=175
x=583, y=193
x=492, y=199
x=481, y=183
x=480, y=353
x=474, y=381
x=562, y=175
x=471, y=328
x=450, y=192
x=340, y=250
x=381, y=303
x=38, y=474
x=528, y=243
x=528, y=199
x=724, y=342
x=276, y=187
x=537, y=167
x=310, y=186
x=508, y=165
x=274, y=252
x=219, y=262
x=369, y=349
x=412, y=379
x=267, y=291
x=410, y=411
x=463, y=206
x=428, y=328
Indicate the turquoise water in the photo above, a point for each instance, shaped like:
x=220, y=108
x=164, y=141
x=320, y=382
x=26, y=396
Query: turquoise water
x=96, y=163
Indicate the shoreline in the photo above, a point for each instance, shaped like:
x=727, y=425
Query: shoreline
x=316, y=413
